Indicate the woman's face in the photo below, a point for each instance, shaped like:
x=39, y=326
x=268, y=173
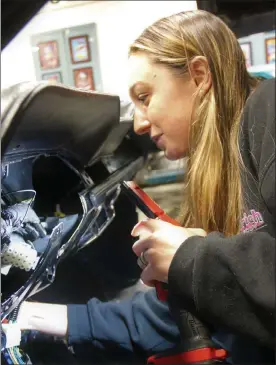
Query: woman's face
x=163, y=104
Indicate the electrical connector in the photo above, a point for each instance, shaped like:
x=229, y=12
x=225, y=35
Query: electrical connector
x=13, y=334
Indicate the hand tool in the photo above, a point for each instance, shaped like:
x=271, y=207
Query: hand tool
x=197, y=347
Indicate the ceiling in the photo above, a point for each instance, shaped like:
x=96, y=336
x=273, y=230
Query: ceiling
x=244, y=17
x=237, y=8
x=59, y=5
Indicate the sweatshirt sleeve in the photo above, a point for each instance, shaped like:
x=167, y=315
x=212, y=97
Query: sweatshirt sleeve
x=141, y=322
x=228, y=282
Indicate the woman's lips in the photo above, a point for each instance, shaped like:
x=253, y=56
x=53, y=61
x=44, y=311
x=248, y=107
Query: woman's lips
x=159, y=141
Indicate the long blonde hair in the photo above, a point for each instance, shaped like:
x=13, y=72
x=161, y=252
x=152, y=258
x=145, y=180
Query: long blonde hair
x=213, y=194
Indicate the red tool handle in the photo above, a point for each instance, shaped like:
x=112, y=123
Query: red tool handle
x=204, y=356
x=144, y=202
x=151, y=210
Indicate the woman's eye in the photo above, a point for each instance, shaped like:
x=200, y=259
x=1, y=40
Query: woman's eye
x=142, y=98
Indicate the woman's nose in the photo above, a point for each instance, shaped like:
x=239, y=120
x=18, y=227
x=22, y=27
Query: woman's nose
x=141, y=124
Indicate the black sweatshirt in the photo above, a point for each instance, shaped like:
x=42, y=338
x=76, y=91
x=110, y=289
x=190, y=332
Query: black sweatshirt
x=230, y=282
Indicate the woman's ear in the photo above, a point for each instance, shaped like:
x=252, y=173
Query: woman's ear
x=200, y=73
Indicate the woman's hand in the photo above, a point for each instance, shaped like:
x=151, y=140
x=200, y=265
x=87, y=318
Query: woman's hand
x=159, y=242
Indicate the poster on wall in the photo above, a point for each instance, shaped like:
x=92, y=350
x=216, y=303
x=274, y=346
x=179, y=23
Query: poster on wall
x=79, y=49
x=53, y=77
x=83, y=78
x=48, y=55
x=247, y=51
x=270, y=50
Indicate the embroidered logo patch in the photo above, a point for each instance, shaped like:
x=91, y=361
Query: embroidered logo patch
x=251, y=222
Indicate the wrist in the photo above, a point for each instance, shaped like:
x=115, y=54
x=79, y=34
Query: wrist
x=44, y=317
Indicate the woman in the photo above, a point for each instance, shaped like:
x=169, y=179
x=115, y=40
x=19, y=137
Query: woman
x=189, y=84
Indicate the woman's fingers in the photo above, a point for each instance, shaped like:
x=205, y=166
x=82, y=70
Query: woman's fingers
x=146, y=225
x=143, y=245
x=147, y=275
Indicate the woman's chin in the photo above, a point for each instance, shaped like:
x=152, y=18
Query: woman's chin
x=173, y=155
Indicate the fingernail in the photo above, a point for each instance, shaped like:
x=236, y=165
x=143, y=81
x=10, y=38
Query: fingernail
x=139, y=228
x=133, y=233
x=135, y=230
x=139, y=231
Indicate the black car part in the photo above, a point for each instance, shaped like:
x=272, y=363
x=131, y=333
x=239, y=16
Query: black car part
x=69, y=150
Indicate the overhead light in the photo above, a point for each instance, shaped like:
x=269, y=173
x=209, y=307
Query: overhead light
x=54, y=1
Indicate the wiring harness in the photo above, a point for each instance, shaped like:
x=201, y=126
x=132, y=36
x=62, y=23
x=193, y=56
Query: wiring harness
x=10, y=341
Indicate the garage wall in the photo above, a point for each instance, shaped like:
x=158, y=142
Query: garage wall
x=118, y=24
x=258, y=46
